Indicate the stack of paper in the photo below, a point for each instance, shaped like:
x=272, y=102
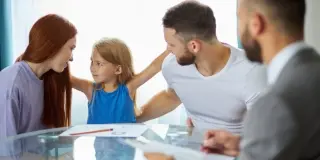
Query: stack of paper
x=107, y=130
x=179, y=153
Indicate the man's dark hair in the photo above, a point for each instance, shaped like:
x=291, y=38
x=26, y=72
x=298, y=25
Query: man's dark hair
x=190, y=19
x=288, y=15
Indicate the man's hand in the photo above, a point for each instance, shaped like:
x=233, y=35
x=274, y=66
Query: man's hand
x=221, y=142
x=157, y=156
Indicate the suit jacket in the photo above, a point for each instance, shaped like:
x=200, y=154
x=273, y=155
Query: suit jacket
x=284, y=124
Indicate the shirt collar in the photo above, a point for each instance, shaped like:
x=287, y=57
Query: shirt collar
x=281, y=59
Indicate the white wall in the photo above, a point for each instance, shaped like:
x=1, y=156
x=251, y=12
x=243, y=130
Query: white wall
x=312, y=28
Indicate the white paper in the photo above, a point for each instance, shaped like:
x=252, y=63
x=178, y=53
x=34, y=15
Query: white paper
x=179, y=153
x=119, y=130
x=160, y=129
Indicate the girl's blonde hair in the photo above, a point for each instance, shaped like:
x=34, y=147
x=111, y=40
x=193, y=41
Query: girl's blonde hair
x=117, y=52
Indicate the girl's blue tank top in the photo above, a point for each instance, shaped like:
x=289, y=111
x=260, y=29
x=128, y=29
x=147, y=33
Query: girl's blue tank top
x=111, y=107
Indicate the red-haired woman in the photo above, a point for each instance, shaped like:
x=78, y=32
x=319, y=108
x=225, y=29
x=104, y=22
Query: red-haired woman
x=35, y=93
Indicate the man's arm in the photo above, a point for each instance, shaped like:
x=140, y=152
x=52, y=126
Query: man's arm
x=147, y=73
x=161, y=104
x=270, y=131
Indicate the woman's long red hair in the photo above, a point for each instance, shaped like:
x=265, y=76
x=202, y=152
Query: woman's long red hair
x=47, y=37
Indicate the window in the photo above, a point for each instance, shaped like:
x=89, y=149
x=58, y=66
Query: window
x=137, y=22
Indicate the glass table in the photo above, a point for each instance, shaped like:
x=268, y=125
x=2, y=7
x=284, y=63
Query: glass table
x=48, y=145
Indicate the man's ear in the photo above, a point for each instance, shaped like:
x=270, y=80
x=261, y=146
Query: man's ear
x=257, y=25
x=194, y=46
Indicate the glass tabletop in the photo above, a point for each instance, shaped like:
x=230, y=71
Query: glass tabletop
x=48, y=144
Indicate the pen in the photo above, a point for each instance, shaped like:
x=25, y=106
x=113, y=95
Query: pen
x=89, y=132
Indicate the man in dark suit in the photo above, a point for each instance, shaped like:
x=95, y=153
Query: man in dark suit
x=284, y=124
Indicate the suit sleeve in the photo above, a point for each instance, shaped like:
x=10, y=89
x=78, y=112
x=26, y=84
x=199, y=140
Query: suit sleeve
x=270, y=131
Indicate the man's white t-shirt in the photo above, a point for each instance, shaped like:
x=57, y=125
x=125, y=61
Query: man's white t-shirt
x=219, y=101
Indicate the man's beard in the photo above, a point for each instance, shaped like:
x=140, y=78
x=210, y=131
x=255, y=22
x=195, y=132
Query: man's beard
x=251, y=47
x=187, y=59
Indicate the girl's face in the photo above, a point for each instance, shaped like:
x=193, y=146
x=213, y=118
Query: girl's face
x=103, y=71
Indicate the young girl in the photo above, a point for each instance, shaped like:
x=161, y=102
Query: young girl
x=112, y=94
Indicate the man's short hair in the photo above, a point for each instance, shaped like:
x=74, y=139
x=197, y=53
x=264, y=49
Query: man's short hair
x=288, y=15
x=191, y=19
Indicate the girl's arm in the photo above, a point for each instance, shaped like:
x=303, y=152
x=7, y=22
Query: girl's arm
x=137, y=111
x=82, y=85
x=147, y=73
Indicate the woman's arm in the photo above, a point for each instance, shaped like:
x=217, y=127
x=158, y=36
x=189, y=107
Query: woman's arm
x=10, y=113
x=147, y=73
x=82, y=85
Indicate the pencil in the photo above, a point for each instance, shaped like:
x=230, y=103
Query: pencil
x=89, y=132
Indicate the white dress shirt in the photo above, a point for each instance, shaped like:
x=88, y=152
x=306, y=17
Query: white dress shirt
x=282, y=58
